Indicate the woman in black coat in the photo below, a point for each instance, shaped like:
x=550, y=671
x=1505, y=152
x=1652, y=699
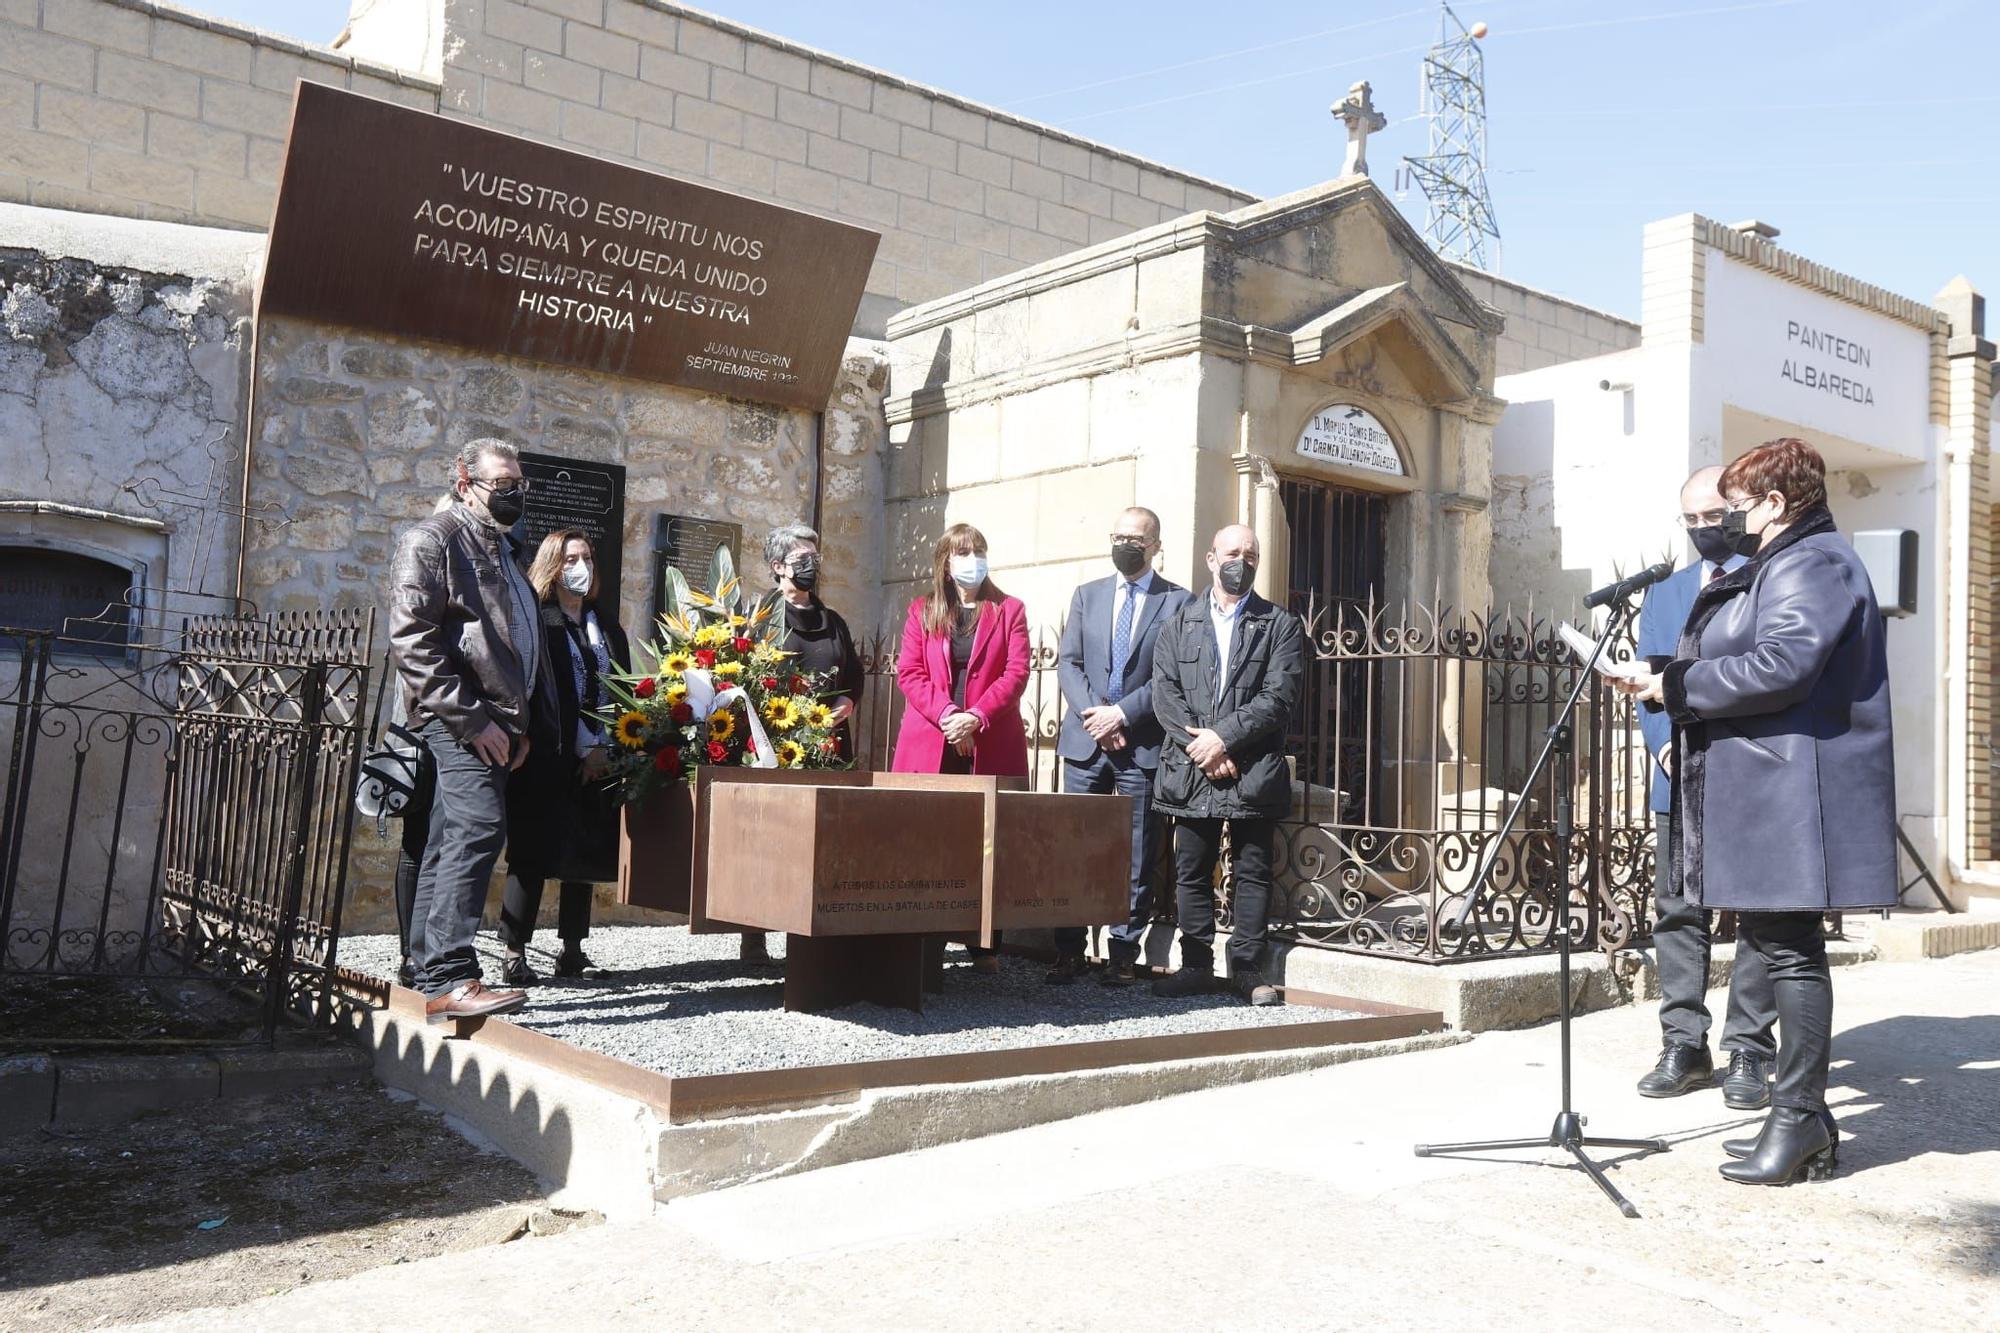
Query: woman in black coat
x=1784, y=797
x=562, y=819
x=815, y=634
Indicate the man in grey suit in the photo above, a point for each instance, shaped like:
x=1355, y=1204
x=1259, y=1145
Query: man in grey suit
x=1110, y=740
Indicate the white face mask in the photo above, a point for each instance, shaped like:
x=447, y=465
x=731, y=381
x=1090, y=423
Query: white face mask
x=577, y=578
x=968, y=571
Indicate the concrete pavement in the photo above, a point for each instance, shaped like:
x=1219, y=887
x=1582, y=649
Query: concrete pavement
x=1297, y=1203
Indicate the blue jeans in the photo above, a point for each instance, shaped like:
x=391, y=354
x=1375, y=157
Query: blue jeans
x=468, y=829
x=1105, y=774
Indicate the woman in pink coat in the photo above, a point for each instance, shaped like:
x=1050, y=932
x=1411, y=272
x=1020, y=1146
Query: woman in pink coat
x=963, y=668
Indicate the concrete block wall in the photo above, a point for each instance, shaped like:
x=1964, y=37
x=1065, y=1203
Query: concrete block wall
x=144, y=110
x=1543, y=329
x=961, y=193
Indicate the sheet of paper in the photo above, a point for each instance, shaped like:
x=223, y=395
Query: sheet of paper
x=1583, y=646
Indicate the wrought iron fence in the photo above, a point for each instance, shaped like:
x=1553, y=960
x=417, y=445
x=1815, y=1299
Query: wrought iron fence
x=1410, y=747
x=176, y=816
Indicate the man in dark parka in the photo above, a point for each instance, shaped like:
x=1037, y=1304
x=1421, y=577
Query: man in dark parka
x=1227, y=671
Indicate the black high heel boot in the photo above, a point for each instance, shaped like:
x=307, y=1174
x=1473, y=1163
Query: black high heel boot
x=1741, y=1148
x=1794, y=1143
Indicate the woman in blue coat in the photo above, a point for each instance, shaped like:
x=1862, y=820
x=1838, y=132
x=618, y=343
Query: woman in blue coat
x=1784, y=801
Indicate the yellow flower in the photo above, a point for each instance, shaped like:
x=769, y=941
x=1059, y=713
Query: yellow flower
x=710, y=636
x=631, y=730
x=819, y=715
x=781, y=712
x=738, y=621
x=790, y=753
x=675, y=694
x=675, y=663
x=767, y=653
x=729, y=670
x=722, y=726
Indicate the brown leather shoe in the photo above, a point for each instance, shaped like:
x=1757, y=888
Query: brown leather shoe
x=474, y=999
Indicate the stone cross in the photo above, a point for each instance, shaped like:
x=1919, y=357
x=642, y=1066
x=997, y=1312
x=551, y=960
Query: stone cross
x=1358, y=110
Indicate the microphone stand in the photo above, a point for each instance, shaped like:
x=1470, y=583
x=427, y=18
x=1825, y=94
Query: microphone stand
x=1567, y=1133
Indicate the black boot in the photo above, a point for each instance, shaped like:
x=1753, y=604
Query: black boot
x=1794, y=1144
x=516, y=971
x=1741, y=1148
x=1681, y=1069
x=1185, y=982
x=1747, y=1085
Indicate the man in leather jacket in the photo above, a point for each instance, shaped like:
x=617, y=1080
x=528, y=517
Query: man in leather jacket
x=467, y=639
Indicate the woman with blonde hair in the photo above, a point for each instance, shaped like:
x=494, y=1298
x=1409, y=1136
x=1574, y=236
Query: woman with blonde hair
x=562, y=820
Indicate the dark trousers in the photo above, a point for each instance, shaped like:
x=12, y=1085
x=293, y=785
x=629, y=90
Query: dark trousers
x=1116, y=773
x=1197, y=845
x=416, y=832
x=467, y=830
x=521, y=903
x=1793, y=953
x=1681, y=950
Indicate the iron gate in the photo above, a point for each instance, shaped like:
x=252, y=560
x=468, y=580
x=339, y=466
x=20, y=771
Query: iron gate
x=174, y=819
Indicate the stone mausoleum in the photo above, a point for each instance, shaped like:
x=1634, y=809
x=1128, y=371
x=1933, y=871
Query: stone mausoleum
x=1051, y=329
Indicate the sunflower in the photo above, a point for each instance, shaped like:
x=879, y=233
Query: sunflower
x=781, y=712
x=675, y=663
x=722, y=726
x=710, y=636
x=675, y=694
x=631, y=730
x=819, y=715
x=728, y=670
x=790, y=753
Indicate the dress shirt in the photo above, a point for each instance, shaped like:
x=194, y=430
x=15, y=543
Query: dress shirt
x=1225, y=631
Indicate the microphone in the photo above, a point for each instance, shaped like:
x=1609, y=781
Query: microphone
x=1623, y=588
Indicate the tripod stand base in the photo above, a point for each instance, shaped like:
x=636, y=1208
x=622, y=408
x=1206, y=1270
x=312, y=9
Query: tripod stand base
x=1567, y=1133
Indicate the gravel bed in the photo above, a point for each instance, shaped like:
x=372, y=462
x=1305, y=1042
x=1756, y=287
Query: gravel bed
x=684, y=1004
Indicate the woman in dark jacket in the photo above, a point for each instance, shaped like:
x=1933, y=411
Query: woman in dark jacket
x=815, y=634
x=562, y=820
x=1784, y=797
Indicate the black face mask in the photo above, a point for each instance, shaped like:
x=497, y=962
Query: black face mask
x=1734, y=529
x=805, y=573
x=506, y=507
x=1236, y=576
x=1128, y=558
x=1712, y=544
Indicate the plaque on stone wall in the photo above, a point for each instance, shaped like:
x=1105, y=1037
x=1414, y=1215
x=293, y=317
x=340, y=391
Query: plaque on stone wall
x=411, y=223
x=1352, y=437
x=686, y=543
x=81, y=599
x=587, y=496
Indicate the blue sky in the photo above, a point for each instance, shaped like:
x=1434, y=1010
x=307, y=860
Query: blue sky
x=1865, y=132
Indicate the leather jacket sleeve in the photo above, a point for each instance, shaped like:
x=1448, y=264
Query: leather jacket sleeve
x=428, y=671
x=1277, y=696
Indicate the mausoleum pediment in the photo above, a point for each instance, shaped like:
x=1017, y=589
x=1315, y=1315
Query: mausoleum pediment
x=1390, y=321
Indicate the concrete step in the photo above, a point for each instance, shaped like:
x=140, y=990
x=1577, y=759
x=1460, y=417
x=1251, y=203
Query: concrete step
x=1907, y=936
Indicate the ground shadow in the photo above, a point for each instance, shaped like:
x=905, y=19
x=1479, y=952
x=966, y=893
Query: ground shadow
x=1903, y=1087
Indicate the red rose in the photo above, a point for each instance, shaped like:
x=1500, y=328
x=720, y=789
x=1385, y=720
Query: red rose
x=682, y=713
x=644, y=689
x=668, y=761
x=829, y=745
x=800, y=685
x=704, y=657
x=771, y=683
x=717, y=752
x=741, y=645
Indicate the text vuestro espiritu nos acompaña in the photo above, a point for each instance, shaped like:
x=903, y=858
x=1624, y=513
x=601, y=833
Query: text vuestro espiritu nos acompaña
x=600, y=263
x=1822, y=378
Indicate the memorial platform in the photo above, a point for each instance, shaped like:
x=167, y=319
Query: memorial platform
x=682, y=1071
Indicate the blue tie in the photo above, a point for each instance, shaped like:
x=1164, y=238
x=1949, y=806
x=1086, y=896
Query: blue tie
x=1121, y=645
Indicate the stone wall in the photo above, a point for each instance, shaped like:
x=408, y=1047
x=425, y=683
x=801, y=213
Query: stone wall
x=353, y=434
x=149, y=111
x=1544, y=329
x=142, y=109
x=122, y=376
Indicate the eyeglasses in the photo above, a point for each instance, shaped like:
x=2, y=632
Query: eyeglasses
x=1127, y=539
x=503, y=485
x=1707, y=518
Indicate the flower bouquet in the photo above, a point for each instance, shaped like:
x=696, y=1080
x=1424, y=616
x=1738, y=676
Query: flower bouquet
x=721, y=692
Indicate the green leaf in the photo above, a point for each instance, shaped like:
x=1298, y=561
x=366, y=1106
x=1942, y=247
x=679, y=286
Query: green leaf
x=673, y=593
x=721, y=573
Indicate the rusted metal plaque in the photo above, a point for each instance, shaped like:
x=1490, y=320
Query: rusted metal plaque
x=843, y=860
x=411, y=223
x=1060, y=860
